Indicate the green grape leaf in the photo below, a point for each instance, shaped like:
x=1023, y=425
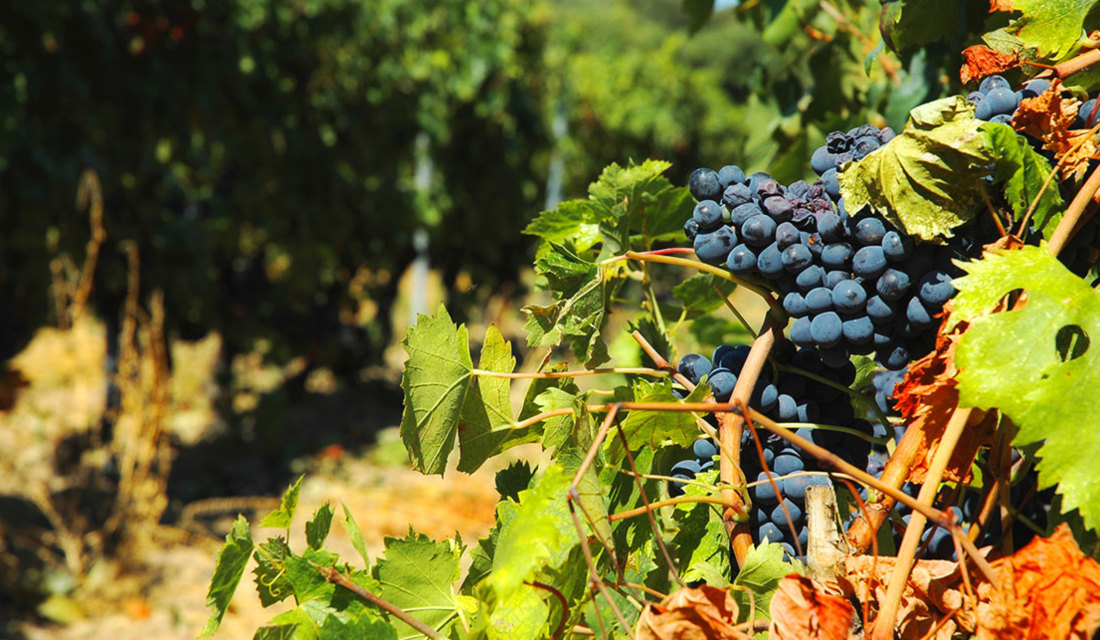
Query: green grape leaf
x=521, y=615
x=307, y=582
x=271, y=582
x=536, y=532
x=1023, y=171
x=590, y=493
x=697, y=293
x=558, y=429
x=230, y=566
x=514, y=478
x=575, y=221
x=906, y=24
x=653, y=429
x=763, y=569
x=280, y=518
x=581, y=307
x=1036, y=364
x=355, y=534
x=436, y=381
x=317, y=529
x=419, y=576
x=487, y=427
x=365, y=624
x=923, y=180
x=1052, y=27
x=702, y=543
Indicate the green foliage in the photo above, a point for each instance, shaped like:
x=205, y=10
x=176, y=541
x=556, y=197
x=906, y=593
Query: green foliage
x=923, y=180
x=280, y=518
x=764, y=567
x=1051, y=27
x=1051, y=397
x=1022, y=171
x=227, y=573
x=436, y=381
x=418, y=575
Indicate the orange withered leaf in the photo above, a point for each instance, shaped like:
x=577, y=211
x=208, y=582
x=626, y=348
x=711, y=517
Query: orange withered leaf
x=982, y=61
x=802, y=610
x=696, y=613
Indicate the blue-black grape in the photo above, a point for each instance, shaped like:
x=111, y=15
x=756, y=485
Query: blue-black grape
x=917, y=315
x=879, y=310
x=758, y=231
x=849, y=296
x=708, y=215
x=830, y=227
x=858, y=330
x=796, y=258
x=892, y=284
x=704, y=184
x=736, y=195
x=993, y=82
x=836, y=255
x=870, y=231
x=786, y=234
x=810, y=277
x=770, y=261
x=826, y=328
x=778, y=207
x=800, y=332
x=715, y=247
x=693, y=366
x=743, y=213
x=895, y=246
x=869, y=262
x=704, y=449
x=730, y=174
x=795, y=305
x=819, y=300
x=722, y=382
x=936, y=288
x=742, y=260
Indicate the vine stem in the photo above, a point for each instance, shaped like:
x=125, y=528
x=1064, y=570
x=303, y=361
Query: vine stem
x=645, y=371
x=653, y=506
x=334, y=576
x=561, y=600
x=1081, y=62
x=650, y=256
x=731, y=426
x=660, y=361
x=1073, y=213
x=883, y=628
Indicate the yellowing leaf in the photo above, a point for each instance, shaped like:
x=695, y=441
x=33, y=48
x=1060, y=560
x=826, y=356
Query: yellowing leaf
x=924, y=180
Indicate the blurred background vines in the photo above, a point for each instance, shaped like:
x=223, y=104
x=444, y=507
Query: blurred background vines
x=287, y=181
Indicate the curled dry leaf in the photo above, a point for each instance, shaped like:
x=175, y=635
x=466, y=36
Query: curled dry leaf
x=802, y=610
x=931, y=593
x=696, y=613
x=1049, y=590
x=1049, y=117
x=982, y=61
x=926, y=400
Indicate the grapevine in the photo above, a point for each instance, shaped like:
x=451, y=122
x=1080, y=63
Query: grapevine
x=916, y=393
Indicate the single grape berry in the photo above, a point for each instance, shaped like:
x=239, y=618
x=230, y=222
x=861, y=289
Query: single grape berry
x=708, y=215
x=770, y=261
x=730, y=174
x=795, y=305
x=714, y=247
x=870, y=231
x=693, y=366
x=810, y=277
x=849, y=297
x=741, y=260
x=819, y=300
x=896, y=247
x=758, y=231
x=796, y=258
x=869, y=262
x=704, y=184
x=826, y=329
x=892, y=284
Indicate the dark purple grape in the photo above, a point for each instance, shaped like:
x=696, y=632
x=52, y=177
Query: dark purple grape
x=892, y=284
x=826, y=328
x=770, y=261
x=859, y=330
x=787, y=234
x=849, y=297
x=758, y=231
x=819, y=300
x=730, y=174
x=869, y=262
x=796, y=258
x=836, y=255
x=795, y=305
x=714, y=247
x=736, y=195
x=810, y=277
x=693, y=366
x=741, y=260
x=895, y=246
x=705, y=185
x=870, y=231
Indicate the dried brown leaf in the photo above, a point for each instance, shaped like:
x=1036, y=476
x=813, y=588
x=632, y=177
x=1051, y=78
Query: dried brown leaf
x=802, y=610
x=1048, y=117
x=931, y=593
x=697, y=613
x=982, y=61
x=926, y=400
x=1049, y=590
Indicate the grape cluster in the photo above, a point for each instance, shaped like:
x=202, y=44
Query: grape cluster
x=852, y=283
x=995, y=101
x=784, y=396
